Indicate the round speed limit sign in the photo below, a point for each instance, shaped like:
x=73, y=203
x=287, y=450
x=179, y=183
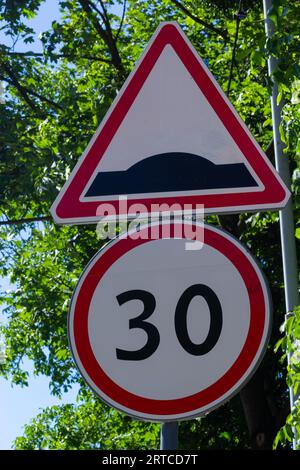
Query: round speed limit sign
x=165, y=333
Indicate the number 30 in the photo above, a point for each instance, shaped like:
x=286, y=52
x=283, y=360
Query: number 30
x=180, y=320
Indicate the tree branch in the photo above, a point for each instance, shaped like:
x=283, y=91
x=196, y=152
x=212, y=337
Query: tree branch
x=59, y=56
x=43, y=98
x=15, y=83
x=233, y=54
x=270, y=152
x=24, y=91
x=122, y=20
x=93, y=7
x=240, y=15
x=105, y=15
x=219, y=31
x=88, y=10
x=27, y=220
x=105, y=34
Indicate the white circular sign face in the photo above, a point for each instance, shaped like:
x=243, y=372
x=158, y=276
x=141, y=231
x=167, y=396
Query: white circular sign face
x=164, y=333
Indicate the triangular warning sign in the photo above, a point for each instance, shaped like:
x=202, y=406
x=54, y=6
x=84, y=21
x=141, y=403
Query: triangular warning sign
x=171, y=136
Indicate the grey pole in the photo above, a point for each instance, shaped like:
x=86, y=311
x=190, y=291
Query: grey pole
x=287, y=229
x=169, y=436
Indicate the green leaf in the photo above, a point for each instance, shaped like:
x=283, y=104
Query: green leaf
x=273, y=14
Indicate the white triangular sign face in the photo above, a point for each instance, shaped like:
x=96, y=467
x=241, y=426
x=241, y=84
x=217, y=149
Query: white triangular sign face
x=171, y=136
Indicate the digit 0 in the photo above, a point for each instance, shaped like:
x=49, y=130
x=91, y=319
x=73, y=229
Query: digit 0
x=216, y=319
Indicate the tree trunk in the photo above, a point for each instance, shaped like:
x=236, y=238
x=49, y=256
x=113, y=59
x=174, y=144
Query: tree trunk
x=260, y=420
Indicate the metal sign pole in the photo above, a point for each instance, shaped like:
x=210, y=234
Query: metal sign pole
x=169, y=436
x=287, y=229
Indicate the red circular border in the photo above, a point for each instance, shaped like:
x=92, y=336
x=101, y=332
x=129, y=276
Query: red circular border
x=204, y=397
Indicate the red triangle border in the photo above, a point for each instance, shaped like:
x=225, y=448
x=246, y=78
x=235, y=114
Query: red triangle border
x=69, y=209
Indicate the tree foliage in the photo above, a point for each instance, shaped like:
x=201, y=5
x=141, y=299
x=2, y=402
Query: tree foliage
x=290, y=345
x=53, y=103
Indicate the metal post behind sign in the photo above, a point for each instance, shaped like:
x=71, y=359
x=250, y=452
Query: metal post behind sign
x=169, y=436
x=287, y=229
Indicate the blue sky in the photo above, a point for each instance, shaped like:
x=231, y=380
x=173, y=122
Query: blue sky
x=48, y=12
x=19, y=405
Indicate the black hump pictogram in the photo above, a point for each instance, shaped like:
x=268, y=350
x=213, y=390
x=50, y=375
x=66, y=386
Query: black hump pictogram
x=173, y=171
